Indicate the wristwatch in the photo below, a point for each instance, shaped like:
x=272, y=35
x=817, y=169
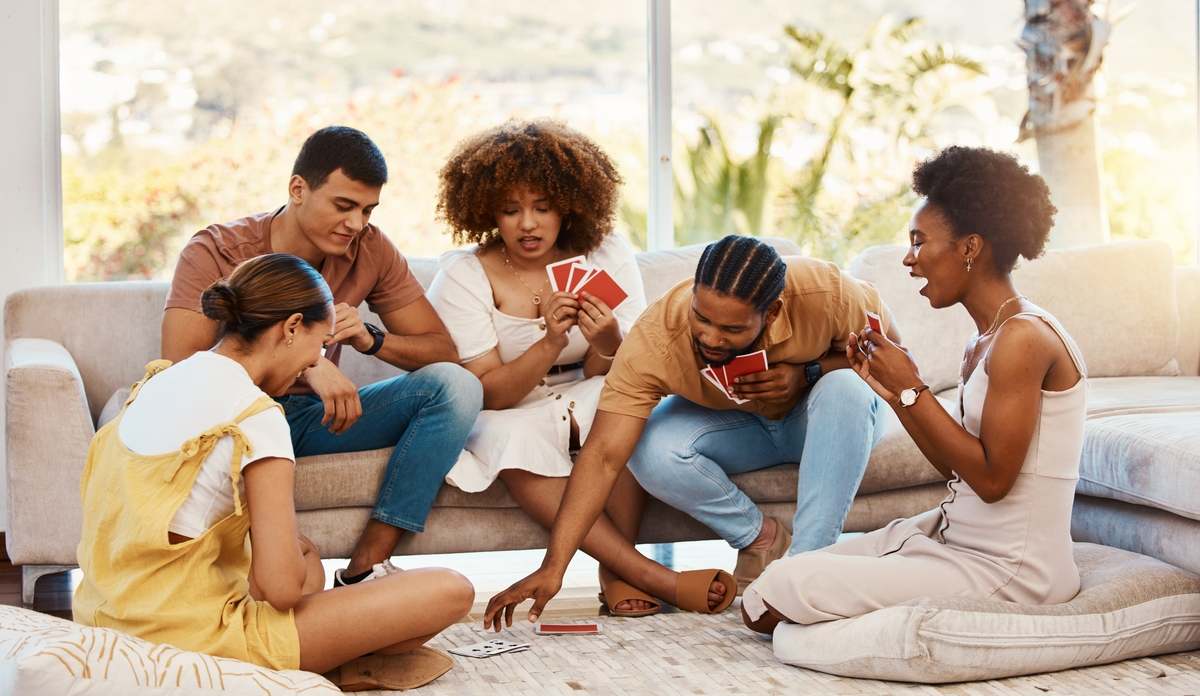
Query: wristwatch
x=377, y=335
x=812, y=372
x=908, y=397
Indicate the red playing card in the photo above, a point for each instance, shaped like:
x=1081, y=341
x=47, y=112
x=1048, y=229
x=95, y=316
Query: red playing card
x=875, y=322
x=560, y=270
x=549, y=629
x=580, y=282
x=603, y=287
x=578, y=272
x=712, y=376
x=743, y=365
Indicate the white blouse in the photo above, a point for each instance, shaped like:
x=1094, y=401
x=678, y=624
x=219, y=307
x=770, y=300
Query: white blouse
x=462, y=295
x=535, y=434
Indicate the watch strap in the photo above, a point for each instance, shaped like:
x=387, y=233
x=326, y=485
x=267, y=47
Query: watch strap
x=377, y=334
x=812, y=372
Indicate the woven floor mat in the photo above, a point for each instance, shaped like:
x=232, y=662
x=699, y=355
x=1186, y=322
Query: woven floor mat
x=683, y=653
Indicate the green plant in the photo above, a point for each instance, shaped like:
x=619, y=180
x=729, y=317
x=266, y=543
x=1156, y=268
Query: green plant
x=717, y=193
x=878, y=86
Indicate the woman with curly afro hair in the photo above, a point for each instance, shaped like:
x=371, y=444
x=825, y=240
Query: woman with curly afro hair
x=527, y=195
x=1009, y=447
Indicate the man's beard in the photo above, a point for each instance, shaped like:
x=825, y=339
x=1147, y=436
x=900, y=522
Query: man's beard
x=732, y=353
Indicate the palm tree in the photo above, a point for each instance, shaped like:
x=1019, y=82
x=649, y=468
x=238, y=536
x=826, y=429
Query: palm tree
x=1064, y=42
x=876, y=85
x=715, y=192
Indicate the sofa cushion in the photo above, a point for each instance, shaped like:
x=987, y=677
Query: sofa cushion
x=1130, y=294
x=1114, y=396
x=1150, y=459
x=42, y=654
x=1111, y=396
x=352, y=479
x=1128, y=606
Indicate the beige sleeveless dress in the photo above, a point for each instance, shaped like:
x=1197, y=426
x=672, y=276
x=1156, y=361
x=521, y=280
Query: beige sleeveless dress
x=1017, y=549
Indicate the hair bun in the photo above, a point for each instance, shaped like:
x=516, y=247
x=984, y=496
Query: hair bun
x=220, y=302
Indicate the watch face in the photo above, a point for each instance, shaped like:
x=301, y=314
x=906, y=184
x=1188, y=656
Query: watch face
x=908, y=397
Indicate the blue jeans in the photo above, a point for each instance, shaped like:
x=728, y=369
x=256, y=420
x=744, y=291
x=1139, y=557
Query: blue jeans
x=424, y=416
x=687, y=453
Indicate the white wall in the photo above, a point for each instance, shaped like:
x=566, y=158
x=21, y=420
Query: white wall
x=30, y=189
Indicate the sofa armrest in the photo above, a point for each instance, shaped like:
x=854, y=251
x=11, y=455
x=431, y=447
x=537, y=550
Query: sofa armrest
x=1187, y=282
x=48, y=428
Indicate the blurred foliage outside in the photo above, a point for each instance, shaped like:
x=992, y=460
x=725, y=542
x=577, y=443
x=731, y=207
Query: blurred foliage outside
x=822, y=156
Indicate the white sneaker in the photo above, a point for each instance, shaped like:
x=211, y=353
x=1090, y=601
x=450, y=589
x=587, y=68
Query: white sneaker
x=379, y=570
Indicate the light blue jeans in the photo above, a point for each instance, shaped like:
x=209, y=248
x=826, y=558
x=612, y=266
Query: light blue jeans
x=424, y=416
x=688, y=452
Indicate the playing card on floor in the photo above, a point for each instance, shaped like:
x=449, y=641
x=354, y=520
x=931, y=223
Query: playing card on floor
x=489, y=648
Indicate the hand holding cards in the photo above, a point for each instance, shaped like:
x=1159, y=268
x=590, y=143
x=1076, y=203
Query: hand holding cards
x=574, y=276
x=723, y=377
x=875, y=323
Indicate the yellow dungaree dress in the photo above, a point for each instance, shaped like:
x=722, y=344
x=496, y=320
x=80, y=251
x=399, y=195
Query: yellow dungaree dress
x=193, y=595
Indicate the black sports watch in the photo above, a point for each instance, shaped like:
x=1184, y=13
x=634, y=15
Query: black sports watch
x=377, y=334
x=812, y=372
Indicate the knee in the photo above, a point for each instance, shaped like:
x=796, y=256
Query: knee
x=655, y=457
x=845, y=390
x=455, y=385
x=454, y=594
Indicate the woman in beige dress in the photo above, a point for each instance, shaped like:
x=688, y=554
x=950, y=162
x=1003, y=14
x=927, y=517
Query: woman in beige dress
x=1010, y=450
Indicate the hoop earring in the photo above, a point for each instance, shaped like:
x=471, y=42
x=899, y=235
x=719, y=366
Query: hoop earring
x=969, y=261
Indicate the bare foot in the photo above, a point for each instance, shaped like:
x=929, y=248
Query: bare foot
x=716, y=594
x=627, y=604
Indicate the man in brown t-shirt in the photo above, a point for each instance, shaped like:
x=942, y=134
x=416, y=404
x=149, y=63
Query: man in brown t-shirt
x=334, y=187
x=804, y=408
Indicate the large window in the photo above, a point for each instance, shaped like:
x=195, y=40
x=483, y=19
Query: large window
x=803, y=120
x=179, y=115
x=800, y=120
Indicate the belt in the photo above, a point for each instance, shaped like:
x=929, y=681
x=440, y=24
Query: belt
x=569, y=367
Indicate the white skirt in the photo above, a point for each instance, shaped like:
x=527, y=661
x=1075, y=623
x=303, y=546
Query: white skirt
x=534, y=435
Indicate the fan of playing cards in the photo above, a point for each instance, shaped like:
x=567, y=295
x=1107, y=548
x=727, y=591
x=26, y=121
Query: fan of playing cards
x=722, y=377
x=574, y=276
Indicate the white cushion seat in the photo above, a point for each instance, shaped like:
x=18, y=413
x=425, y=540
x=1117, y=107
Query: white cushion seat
x=1129, y=606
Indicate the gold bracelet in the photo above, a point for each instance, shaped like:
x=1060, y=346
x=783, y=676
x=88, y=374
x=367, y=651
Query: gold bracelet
x=602, y=356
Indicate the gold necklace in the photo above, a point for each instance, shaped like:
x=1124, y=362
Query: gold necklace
x=996, y=319
x=537, y=298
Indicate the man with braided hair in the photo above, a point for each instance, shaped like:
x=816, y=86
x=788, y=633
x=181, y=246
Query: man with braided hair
x=806, y=407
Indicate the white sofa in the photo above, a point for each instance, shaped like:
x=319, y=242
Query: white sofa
x=69, y=348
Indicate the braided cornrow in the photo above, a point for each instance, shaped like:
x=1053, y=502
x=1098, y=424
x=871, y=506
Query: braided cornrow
x=748, y=269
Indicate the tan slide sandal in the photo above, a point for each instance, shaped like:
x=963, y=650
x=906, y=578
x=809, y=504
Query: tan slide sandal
x=691, y=590
x=616, y=591
x=391, y=672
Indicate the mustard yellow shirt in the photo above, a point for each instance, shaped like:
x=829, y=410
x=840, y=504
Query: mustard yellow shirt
x=821, y=307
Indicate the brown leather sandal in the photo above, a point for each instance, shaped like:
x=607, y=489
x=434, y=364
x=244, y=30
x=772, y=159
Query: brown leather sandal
x=691, y=590
x=616, y=591
x=395, y=672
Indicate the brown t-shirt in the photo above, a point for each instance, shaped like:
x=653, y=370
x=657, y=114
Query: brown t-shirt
x=821, y=306
x=372, y=269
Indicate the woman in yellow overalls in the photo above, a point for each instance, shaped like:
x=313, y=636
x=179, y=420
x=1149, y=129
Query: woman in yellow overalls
x=209, y=593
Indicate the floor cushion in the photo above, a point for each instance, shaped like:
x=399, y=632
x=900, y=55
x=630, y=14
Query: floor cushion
x=43, y=654
x=1129, y=606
